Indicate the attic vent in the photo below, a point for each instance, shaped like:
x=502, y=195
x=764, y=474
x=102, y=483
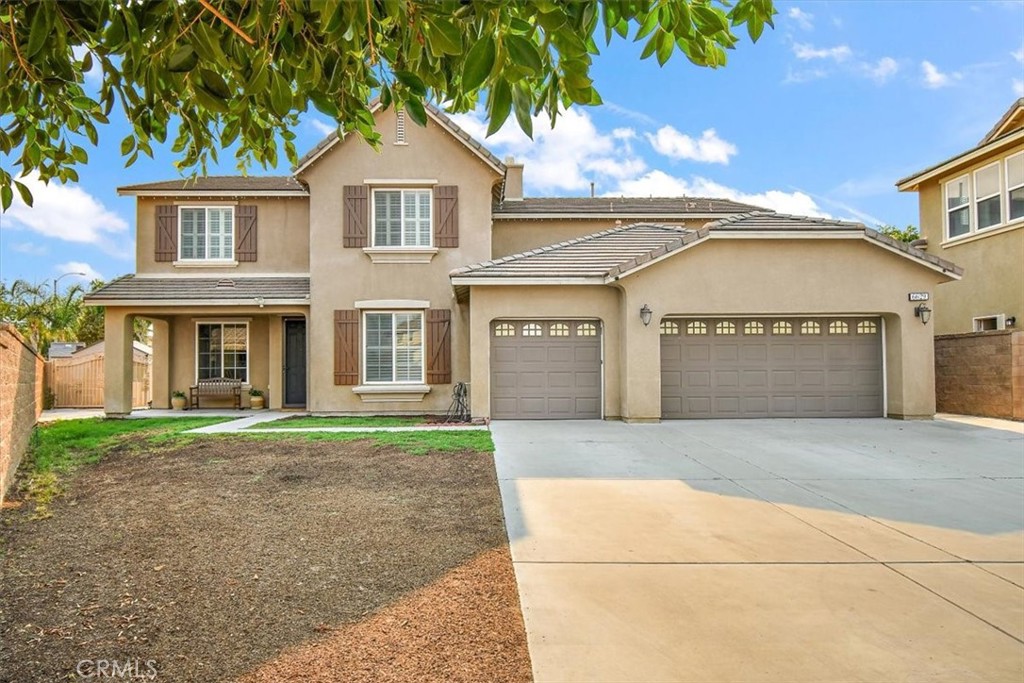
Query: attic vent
x=400, y=128
x=225, y=284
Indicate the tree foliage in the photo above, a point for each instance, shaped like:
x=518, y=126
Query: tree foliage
x=907, y=234
x=212, y=74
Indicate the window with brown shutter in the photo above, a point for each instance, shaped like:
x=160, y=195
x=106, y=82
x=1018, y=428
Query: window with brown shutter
x=439, y=346
x=166, y=238
x=346, y=347
x=446, y=216
x=355, y=220
x=245, y=234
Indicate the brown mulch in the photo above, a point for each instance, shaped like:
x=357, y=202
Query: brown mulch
x=214, y=558
x=464, y=627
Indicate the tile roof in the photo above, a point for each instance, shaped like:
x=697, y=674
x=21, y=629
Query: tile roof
x=438, y=114
x=181, y=290
x=221, y=183
x=601, y=255
x=653, y=206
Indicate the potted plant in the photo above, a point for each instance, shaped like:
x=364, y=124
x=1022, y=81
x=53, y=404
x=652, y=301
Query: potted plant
x=256, y=399
x=178, y=400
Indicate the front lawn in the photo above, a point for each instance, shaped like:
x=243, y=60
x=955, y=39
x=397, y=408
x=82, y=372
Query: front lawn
x=318, y=556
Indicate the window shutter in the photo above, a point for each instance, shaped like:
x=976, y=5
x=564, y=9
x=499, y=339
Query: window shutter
x=355, y=222
x=346, y=347
x=245, y=234
x=446, y=216
x=439, y=346
x=166, y=248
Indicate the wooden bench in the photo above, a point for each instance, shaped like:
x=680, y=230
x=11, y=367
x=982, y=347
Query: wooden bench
x=216, y=387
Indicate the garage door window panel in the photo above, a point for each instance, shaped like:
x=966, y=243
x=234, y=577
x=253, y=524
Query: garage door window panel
x=393, y=348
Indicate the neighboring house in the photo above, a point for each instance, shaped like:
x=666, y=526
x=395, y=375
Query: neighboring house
x=972, y=212
x=372, y=281
x=63, y=349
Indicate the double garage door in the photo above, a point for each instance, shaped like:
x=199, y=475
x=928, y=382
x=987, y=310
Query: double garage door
x=757, y=367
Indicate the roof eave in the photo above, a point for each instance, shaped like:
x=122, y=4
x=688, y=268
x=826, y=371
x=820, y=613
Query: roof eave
x=911, y=182
x=571, y=215
x=249, y=302
x=128, y=192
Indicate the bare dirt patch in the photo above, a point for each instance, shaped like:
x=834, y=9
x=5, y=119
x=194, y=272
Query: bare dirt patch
x=213, y=558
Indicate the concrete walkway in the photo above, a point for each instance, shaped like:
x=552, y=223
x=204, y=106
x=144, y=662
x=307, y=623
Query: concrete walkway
x=767, y=550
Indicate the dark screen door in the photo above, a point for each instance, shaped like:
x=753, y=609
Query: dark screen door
x=294, y=363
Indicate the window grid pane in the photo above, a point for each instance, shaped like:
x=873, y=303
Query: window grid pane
x=408, y=347
x=379, y=349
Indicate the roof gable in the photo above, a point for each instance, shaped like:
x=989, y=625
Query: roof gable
x=1012, y=120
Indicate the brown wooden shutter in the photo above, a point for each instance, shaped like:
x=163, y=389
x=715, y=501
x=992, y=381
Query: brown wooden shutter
x=245, y=233
x=346, y=347
x=355, y=200
x=446, y=216
x=166, y=233
x=439, y=346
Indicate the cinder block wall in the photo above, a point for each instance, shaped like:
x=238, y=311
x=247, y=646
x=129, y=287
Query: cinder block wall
x=21, y=400
x=980, y=374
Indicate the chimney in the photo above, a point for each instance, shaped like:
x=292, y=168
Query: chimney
x=513, y=180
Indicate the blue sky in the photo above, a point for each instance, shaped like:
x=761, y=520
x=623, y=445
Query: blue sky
x=820, y=117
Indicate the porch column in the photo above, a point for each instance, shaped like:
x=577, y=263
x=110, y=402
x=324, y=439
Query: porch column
x=117, y=370
x=160, y=370
x=275, y=376
x=909, y=368
x=640, y=364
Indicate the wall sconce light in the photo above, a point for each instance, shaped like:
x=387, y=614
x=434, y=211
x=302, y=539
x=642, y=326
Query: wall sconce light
x=923, y=312
x=260, y=301
x=1011, y=320
x=645, y=315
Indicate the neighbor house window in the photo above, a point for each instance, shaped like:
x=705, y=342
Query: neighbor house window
x=206, y=233
x=1015, y=186
x=222, y=350
x=393, y=347
x=958, y=207
x=986, y=189
x=401, y=218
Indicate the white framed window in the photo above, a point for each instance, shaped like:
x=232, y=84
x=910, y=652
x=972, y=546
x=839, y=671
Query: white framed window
x=958, y=207
x=206, y=233
x=402, y=218
x=222, y=350
x=987, y=191
x=1015, y=187
x=393, y=347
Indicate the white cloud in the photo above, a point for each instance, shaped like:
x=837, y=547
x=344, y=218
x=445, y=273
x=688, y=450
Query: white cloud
x=632, y=114
x=806, y=52
x=708, y=148
x=1018, y=87
x=934, y=79
x=881, y=71
x=1018, y=55
x=93, y=76
x=30, y=248
x=67, y=212
x=657, y=183
x=804, y=75
x=323, y=129
x=88, y=273
x=804, y=20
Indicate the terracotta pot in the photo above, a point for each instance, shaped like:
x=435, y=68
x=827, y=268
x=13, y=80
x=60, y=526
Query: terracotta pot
x=256, y=402
x=178, y=402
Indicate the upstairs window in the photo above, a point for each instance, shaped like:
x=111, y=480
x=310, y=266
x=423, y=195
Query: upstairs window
x=401, y=218
x=986, y=188
x=1015, y=186
x=206, y=233
x=958, y=207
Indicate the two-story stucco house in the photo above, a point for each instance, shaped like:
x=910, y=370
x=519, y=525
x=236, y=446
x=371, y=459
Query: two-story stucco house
x=972, y=212
x=373, y=281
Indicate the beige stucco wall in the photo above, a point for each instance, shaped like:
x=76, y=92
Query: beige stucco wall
x=993, y=259
x=282, y=244
x=730, y=277
x=341, y=276
x=515, y=236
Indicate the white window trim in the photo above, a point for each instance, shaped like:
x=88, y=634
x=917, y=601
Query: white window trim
x=422, y=381
x=374, y=247
x=976, y=224
x=1006, y=178
x=969, y=207
x=1000, y=320
x=248, y=346
x=211, y=262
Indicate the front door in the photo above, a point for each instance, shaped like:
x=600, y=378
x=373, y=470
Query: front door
x=294, y=363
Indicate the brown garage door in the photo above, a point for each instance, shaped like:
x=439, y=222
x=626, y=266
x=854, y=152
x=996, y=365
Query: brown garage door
x=545, y=369
x=757, y=367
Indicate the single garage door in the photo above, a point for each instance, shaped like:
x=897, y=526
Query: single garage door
x=545, y=369
x=758, y=367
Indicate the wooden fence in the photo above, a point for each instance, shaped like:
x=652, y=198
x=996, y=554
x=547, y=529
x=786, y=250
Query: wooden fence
x=78, y=382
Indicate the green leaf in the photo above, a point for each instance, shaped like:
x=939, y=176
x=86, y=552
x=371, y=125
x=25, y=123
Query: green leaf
x=6, y=196
x=127, y=145
x=26, y=194
x=412, y=82
x=39, y=29
x=183, y=59
x=499, y=105
x=215, y=83
x=479, y=63
x=445, y=37
x=665, y=47
x=523, y=52
x=416, y=111
x=280, y=95
x=522, y=105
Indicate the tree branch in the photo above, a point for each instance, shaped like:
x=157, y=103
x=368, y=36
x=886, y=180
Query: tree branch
x=232, y=25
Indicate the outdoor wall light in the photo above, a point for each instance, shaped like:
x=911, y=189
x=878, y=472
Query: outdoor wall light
x=645, y=315
x=1011, y=320
x=260, y=301
x=924, y=313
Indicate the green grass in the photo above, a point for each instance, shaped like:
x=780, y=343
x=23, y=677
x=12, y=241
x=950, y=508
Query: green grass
x=416, y=443
x=301, y=422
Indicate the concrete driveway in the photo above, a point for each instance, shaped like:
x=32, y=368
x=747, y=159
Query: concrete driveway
x=767, y=550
